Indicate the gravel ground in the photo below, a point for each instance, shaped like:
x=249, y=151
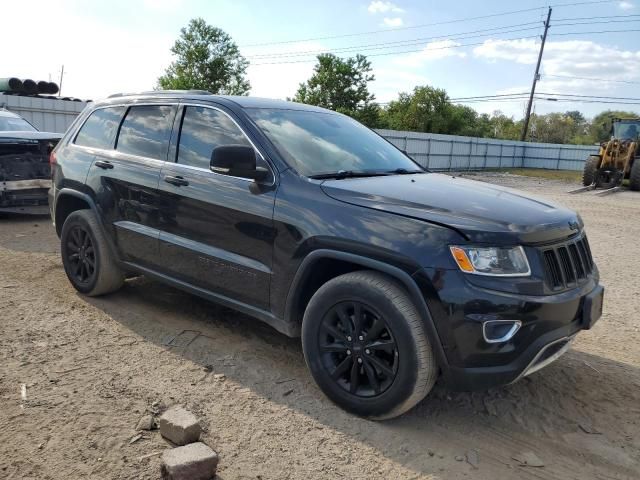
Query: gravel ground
x=92, y=367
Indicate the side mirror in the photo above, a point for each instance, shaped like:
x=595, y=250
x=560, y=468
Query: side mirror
x=237, y=161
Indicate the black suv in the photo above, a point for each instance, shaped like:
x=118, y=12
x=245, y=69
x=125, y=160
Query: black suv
x=307, y=220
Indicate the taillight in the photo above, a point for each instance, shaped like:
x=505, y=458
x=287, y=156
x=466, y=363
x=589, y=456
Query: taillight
x=52, y=158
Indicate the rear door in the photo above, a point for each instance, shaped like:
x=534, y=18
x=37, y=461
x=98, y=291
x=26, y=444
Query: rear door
x=124, y=179
x=216, y=230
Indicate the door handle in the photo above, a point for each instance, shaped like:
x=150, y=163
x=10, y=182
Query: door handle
x=177, y=181
x=103, y=164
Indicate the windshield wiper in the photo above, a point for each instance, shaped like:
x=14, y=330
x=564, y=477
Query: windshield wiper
x=404, y=171
x=340, y=174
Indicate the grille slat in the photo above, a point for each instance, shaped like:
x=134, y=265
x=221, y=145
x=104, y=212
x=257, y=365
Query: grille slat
x=568, y=264
x=577, y=261
x=584, y=257
x=553, y=268
x=567, y=269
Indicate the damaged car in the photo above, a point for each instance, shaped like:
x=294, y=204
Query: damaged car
x=25, y=175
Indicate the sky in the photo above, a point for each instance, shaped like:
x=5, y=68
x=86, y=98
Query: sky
x=124, y=45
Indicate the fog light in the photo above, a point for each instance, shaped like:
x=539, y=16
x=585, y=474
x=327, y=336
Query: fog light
x=498, y=331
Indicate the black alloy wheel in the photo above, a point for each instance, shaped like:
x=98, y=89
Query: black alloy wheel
x=81, y=255
x=358, y=349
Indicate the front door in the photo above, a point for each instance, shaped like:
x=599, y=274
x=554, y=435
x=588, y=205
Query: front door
x=216, y=231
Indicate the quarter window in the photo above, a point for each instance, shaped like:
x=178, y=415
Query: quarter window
x=146, y=130
x=99, y=131
x=204, y=129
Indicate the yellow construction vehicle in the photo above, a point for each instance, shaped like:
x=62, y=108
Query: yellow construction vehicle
x=618, y=159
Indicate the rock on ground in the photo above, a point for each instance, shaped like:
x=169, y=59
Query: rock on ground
x=195, y=461
x=180, y=426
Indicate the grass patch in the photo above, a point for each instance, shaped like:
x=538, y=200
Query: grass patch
x=566, y=175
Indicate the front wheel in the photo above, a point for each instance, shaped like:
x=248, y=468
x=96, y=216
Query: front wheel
x=87, y=259
x=366, y=347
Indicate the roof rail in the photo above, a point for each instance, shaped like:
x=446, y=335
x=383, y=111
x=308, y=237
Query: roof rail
x=162, y=92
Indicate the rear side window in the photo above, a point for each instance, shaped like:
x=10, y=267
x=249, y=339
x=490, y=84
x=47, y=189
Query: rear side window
x=99, y=131
x=204, y=129
x=145, y=131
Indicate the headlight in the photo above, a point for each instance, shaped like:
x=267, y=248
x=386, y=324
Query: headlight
x=494, y=261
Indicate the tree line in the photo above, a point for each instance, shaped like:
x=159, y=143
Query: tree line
x=207, y=58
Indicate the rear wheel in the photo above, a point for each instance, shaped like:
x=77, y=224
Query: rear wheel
x=590, y=170
x=86, y=256
x=634, y=176
x=366, y=346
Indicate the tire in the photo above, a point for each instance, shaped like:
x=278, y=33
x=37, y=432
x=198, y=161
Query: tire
x=634, y=176
x=86, y=256
x=330, y=338
x=590, y=170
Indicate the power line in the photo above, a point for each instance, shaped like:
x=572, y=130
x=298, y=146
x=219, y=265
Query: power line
x=397, y=53
x=591, y=96
x=403, y=43
x=593, y=33
x=447, y=22
x=371, y=32
x=508, y=95
x=594, y=23
x=594, y=18
x=592, y=79
x=581, y=3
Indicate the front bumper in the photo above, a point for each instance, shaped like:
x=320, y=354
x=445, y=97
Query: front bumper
x=539, y=355
x=549, y=323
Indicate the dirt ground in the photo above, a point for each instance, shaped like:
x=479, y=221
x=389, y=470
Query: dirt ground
x=92, y=367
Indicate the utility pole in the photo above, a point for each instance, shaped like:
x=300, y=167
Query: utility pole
x=61, y=77
x=535, y=79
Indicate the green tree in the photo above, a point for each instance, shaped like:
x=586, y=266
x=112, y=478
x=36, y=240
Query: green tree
x=600, y=128
x=553, y=128
x=206, y=59
x=341, y=85
x=426, y=109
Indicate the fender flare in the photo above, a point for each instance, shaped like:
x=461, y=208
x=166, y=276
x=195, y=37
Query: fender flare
x=304, y=270
x=92, y=206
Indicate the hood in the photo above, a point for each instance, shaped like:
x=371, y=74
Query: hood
x=481, y=212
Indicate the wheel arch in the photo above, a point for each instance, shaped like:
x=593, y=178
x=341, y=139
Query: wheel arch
x=306, y=282
x=68, y=201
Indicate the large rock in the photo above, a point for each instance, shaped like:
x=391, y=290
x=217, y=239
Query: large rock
x=195, y=461
x=180, y=426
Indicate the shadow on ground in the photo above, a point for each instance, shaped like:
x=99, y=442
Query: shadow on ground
x=583, y=406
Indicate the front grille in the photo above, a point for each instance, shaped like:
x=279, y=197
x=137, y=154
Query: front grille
x=568, y=264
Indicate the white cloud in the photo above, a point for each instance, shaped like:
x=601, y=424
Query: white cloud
x=433, y=51
x=625, y=5
x=568, y=67
x=393, y=22
x=573, y=58
x=378, y=6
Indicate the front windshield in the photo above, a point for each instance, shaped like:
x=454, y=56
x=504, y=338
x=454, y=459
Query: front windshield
x=626, y=130
x=316, y=143
x=15, y=124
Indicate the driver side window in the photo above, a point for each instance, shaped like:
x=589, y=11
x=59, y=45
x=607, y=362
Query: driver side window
x=204, y=129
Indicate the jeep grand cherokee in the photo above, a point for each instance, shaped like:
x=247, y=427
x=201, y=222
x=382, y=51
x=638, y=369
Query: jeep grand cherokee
x=309, y=221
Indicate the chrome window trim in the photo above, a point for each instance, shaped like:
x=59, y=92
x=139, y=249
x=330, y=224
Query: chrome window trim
x=212, y=107
x=115, y=153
